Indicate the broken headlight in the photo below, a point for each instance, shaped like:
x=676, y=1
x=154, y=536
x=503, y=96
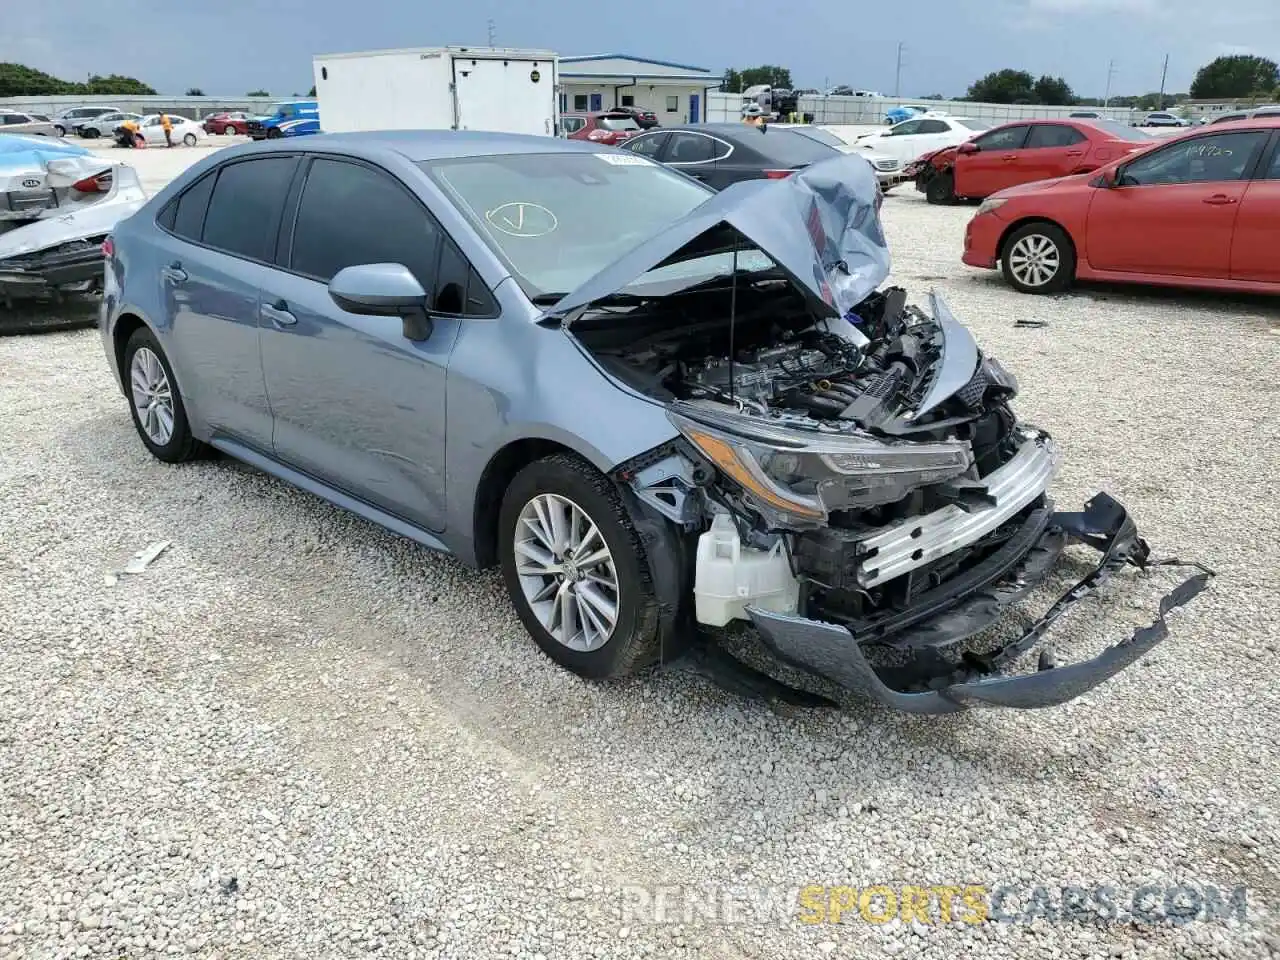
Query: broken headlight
x=803, y=476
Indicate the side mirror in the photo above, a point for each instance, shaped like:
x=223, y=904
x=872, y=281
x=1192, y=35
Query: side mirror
x=1108, y=179
x=968, y=147
x=383, y=290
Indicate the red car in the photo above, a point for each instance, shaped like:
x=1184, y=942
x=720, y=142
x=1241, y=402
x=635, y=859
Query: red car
x=1198, y=209
x=609, y=127
x=227, y=123
x=1019, y=153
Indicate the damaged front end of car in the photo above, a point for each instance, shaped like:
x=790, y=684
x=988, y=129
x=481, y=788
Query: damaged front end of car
x=849, y=465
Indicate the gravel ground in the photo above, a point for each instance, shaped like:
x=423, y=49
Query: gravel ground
x=296, y=735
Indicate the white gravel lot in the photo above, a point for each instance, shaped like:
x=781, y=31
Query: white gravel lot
x=296, y=735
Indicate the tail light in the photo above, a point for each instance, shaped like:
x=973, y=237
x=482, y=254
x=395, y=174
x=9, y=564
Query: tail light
x=97, y=184
x=778, y=174
x=108, y=248
x=598, y=135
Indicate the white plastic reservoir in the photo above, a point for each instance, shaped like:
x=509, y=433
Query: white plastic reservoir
x=729, y=577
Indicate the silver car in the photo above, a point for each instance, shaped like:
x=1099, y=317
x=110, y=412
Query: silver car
x=26, y=124
x=658, y=410
x=66, y=121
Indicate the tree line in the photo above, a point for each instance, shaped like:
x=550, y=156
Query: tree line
x=1235, y=77
x=18, y=80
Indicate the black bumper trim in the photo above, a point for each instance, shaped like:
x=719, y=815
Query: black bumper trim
x=52, y=271
x=830, y=650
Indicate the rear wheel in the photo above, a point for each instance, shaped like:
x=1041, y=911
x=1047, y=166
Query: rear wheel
x=154, y=401
x=60, y=129
x=90, y=133
x=1039, y=258
x=189, y=139
x=941, y=189
x=576, y=569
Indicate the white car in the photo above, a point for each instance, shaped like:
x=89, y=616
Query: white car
x=184, y=130
x=908, y=140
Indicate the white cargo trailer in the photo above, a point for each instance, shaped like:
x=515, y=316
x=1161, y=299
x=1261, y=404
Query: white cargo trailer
x=439, y=88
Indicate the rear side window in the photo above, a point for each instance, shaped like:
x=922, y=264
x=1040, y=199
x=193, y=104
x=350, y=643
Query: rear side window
x=351, y=214
x=185, y=215
x=244, y=211
x=690, y=148
x=1273, y=171
x=788, y=149
x=1053, y=135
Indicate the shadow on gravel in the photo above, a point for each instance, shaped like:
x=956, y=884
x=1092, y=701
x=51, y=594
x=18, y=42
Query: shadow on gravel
x=47, y=316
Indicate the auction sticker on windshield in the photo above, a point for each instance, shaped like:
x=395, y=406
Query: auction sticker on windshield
x=623, y=159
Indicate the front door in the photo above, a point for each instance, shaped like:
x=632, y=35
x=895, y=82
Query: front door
x=597, y=103
x=695, y=108
x=1173, y=212
x=357, y=404
x=1255, y=252
x=994, y=165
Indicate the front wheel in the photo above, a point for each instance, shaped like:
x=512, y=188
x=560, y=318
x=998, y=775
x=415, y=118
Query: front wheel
x=941, y=189
x=274, y=133
x=60, y=129
x=1039, y=258
x=90, y=133
x=576, y=569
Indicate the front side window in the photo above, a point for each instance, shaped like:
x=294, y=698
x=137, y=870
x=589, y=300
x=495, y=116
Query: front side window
x=351, y=214
x=1273, y=171
x=246, y=205
x=906, y=129
x=1222, y=157
x=1053, y=135
x=559, y=218
x=933, y=126
x=1006, y=138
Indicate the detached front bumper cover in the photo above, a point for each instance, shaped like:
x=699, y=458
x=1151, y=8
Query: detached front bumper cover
x=831, y=651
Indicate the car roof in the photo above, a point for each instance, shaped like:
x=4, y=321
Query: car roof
x=423, y=145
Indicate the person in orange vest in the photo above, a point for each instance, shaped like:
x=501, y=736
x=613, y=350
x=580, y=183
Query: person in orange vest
x=130, y=136
x=167, y=125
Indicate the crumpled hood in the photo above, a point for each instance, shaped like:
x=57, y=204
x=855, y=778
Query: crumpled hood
x=821, y=225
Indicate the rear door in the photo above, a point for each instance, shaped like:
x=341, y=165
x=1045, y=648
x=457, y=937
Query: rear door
x=1051, y=150
x=222, y=235
x=1255, y=249
x=994, y=165
x=1174, y=210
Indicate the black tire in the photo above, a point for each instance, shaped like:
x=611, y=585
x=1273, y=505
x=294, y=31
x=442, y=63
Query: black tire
x=181, y=446
x=1037, y=235
x=635, y=641
x=60, y=129
x=90, y=133
x=941, y=189
x=273, y=133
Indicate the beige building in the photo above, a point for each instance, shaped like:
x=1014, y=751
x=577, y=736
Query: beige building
x=675, y=92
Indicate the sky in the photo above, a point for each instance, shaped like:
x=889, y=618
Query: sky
x=229, y=47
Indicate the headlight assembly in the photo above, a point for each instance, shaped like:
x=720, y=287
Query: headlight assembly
x=799, y=477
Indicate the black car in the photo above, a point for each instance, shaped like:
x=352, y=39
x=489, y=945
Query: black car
x=647, y=119
x=719, y=154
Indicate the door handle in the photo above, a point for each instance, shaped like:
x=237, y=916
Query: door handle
x=278, y=314
x=174, y=273
x=1074, y=153
x=1010, y=156
x=1220, y=199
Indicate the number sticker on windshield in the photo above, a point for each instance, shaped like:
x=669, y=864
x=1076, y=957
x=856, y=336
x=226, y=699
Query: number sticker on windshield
x=522, y=219
x=623, y=159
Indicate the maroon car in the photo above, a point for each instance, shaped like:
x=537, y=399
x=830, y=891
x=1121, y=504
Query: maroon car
x=227, y=123
x=609, y=127
x=646, y=118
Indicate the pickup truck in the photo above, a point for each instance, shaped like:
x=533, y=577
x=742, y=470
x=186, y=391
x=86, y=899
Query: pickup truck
x=294, y=118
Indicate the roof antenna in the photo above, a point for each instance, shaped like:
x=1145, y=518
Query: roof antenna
x=733, y=312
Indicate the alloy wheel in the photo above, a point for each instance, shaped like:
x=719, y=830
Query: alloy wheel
x=1034, y=260
x=567, y=572
x=152, y=396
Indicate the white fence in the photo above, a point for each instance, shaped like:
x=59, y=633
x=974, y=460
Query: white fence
x=727, y=107
x=193, y=107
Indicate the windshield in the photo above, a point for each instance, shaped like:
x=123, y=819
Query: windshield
x=617, y=123
x=559, y=218
x=974, y=124
x=1120, y=131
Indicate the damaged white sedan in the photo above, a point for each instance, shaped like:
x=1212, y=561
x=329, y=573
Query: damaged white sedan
x=658, y=410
